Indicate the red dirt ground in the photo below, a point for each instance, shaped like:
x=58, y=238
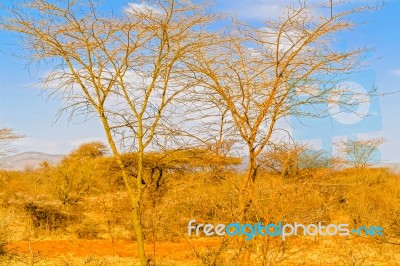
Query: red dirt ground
x=121, y=248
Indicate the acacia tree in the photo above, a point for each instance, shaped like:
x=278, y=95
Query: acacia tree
x=7, y=135
x=124, y=69
x=262, y=75
x=282, y=159
x=358, y=153
x=90, y=150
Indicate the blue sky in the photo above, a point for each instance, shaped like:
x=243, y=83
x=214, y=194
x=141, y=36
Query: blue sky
x=24, y=108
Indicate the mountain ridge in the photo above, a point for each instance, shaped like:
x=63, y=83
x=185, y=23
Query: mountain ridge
x=33, y=159
x=26, y=160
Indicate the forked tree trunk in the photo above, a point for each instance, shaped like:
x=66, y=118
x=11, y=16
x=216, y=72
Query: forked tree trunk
x=135, y=199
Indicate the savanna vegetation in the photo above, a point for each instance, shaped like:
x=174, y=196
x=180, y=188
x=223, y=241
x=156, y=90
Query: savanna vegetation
x=84, y=199
x=190, y=103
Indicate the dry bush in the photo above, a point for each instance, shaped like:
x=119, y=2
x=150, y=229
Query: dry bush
x=195, y=195
x=4, y=235
x=73, y=179
x=374, y=199
x=278, y=199
x=87, y=230
x=359, y=153
x=104, y=217
x=21, y=185
x=214, y=255
x=358, y=197
x=48, y=217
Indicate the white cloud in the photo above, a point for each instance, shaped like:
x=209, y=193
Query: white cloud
x=287, y=40
x=395, y=72
x=272, y=9
x=260, y=11
x=53, y=146
x=134, y=8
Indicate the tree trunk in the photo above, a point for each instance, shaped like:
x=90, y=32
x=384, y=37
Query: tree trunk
x=139, y=232
x=246, y=197
x=135, y=199
x=247, y=189
x=136, y=207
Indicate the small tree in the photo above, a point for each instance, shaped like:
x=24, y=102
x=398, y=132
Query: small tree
x=7, y=135
x=359, y=153
x=314, y=159
x=90, y=150
x=75, y=176
x=283, y=159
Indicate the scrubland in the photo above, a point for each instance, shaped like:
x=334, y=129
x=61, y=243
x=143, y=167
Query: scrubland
x=78, y=213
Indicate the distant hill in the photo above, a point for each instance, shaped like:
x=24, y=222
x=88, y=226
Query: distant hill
x=33, y=160
x=28, y=160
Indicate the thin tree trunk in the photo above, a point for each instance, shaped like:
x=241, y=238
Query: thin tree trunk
x=246, y=197
x=136, y=207
x=247, y=189
x=135, y=200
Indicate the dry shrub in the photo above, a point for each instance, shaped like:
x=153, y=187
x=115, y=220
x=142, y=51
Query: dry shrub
x=358, y=197
x=4, y=237
x=48, y=217
x=194, y=196
x=105, y=217
x=87, y=230
x=278, y=199
x=373, y=198
x=213, y=255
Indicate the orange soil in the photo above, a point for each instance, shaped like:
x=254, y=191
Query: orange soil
x=121, y=248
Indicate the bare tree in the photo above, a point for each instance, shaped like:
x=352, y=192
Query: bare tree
x=358, y=153
x=283, y=159
x=262, y=75
x=7, y=135
x=124, y=69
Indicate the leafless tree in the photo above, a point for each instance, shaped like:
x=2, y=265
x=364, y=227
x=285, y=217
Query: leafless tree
x=7, y=135
x=288, y=67
x=124, y=69
x=358, y=153
x=283, y=159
